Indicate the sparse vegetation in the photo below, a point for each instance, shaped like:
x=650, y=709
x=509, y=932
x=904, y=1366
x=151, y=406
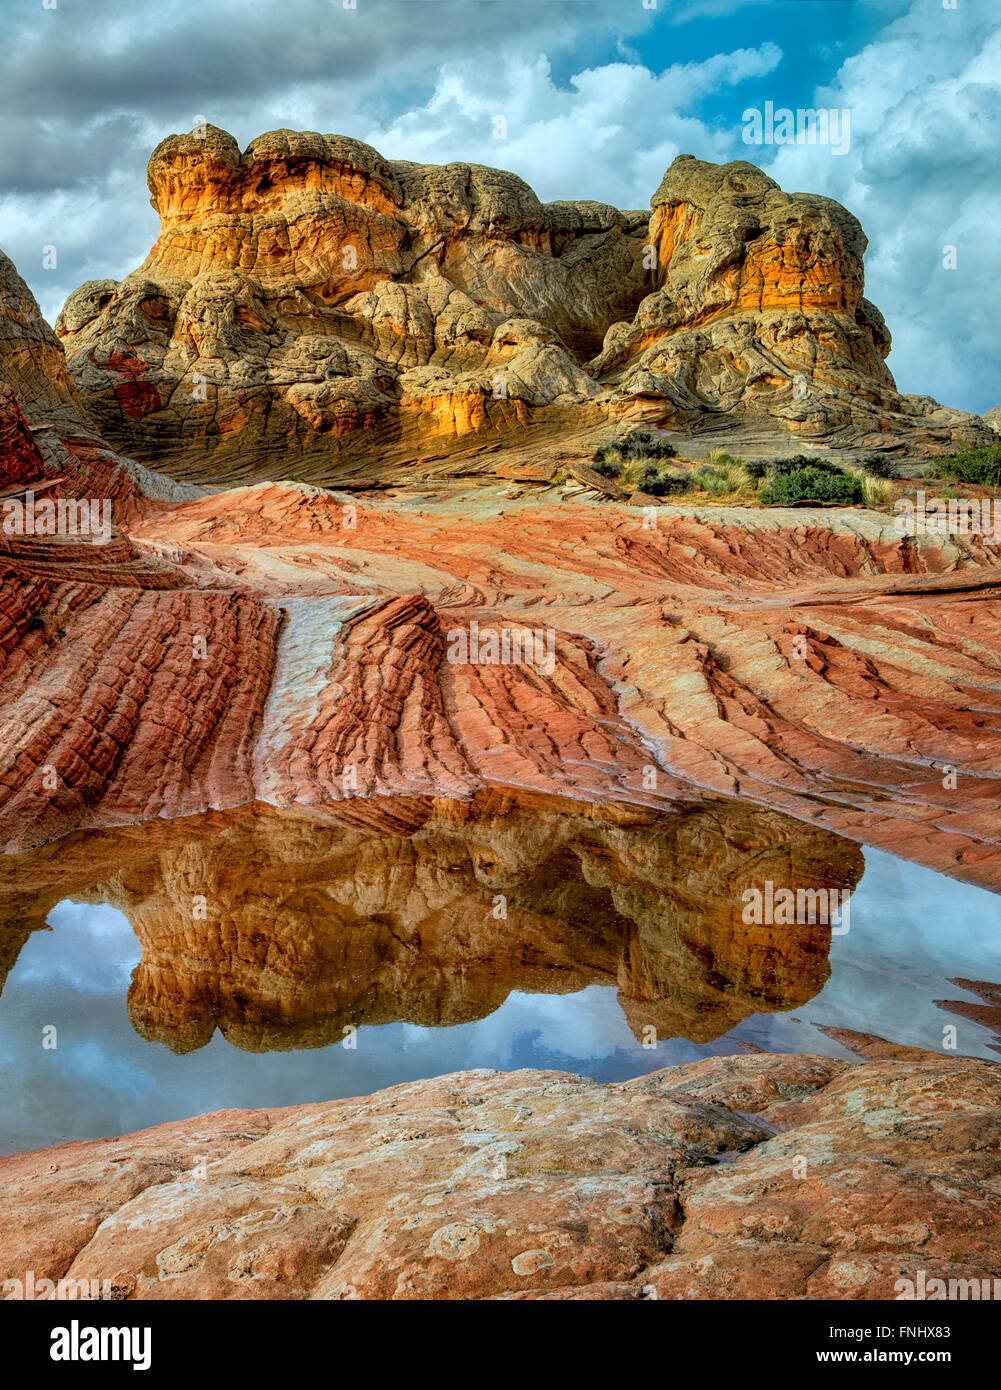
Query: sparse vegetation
x=879, y=466
x=639, y=446
x=636, y=462
x=658, y=482
x=782, y=468
x=980, y=467
x=813, y=484
x=874, y=493
x=724, y=475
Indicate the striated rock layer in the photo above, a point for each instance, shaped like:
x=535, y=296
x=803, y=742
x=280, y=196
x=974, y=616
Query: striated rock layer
x=738, y=1177
x=309, y=296
x=251, y=646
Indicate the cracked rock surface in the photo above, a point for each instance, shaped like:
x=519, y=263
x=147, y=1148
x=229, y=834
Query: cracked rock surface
x=741, y=1177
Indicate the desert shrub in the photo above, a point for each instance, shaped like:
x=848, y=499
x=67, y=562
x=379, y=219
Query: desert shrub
x=647, y=476
x=714, y=480
x=879, y=466
x=607, y=462
x=813, y=485
x=874, y=493
x=669, y=481
x=642, y=444
x=639, y=446
x=782, y=468
x=756, y=468
x=981, y=467
x=722, y=474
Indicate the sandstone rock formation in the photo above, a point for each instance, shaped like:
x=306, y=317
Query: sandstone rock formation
x=309, y=305
x=738, y=1177
x=312, y=922
x=287, y=644
x=44, y=430
x=250, y=696
x=253, y=645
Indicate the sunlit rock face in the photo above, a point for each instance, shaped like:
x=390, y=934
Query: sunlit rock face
x=46, y=434
x=284, y=929
x=310, y=296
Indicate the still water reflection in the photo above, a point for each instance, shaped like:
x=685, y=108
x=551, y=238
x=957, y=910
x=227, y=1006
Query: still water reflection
x=226, y=960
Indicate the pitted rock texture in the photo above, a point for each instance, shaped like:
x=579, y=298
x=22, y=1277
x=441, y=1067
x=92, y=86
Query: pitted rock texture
x=309, y=296
x=313, y=922
x=739, y=1177
x=45, y=432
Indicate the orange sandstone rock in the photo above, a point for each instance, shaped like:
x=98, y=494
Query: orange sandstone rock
x=307, y=296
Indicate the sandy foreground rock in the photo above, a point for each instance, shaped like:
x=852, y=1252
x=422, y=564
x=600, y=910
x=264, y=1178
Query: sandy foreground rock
x=740, y=1177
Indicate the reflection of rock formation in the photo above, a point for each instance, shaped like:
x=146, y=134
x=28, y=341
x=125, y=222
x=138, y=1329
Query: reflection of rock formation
x=987, y=1013
x=283, y=928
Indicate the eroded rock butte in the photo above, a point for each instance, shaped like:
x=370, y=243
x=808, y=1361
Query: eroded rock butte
x=358, y=313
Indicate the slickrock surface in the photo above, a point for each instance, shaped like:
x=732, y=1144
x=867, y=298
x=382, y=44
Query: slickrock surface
x=310, y=296
x=739, y=1177
x=311, y=922
x=811, y=661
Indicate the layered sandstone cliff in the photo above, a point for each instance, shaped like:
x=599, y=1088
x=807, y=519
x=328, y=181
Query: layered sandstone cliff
x=308, y=296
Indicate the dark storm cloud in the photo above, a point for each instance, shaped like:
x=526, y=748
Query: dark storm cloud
x=68, y=75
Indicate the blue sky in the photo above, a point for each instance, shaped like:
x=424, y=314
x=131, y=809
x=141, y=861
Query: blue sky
x=598, y=97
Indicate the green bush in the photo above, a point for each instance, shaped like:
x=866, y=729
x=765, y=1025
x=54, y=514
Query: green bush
x=879, y=466
x=638, y=447
x=641, y=444
x=711, y=480
x=813, y=485
x=980, y=467
x=607, y=463
x=756, y=468
x=657, y=481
